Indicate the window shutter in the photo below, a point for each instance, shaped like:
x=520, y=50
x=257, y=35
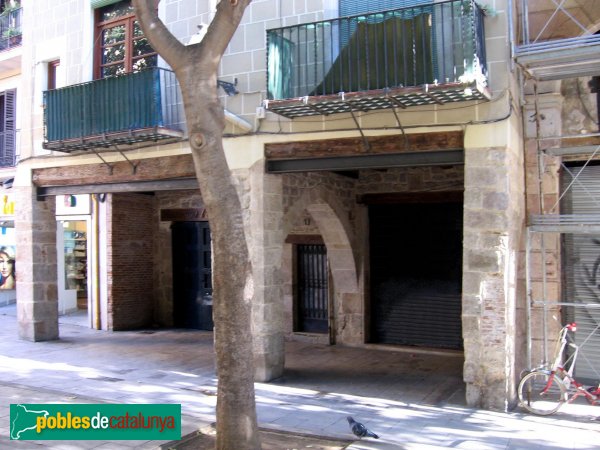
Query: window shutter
x=352, y=7
x=100, y=3
x=8, y=155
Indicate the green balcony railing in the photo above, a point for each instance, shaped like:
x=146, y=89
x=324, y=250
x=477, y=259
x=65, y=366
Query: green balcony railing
x=432, y=44
x=137, y=107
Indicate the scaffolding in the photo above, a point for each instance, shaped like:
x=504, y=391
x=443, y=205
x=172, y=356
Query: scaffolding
x=556, y=43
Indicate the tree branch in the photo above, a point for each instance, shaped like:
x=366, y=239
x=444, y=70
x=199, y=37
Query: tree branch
x=165, y=44
x=221, y=29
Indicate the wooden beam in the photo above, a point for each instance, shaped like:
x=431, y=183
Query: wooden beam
x=150, y=169
x=184, y=215
x=397, y=143
x=305, y=239
x=366, y=161
x=137, y=186
x=410, y=197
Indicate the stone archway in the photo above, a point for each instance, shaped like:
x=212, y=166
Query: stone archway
x=330, y=219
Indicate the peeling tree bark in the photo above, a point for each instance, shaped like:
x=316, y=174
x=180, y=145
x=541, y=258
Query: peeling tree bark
x=196, y=67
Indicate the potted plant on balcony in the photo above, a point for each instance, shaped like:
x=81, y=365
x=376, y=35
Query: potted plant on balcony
x=12, y=36
x=10, y=6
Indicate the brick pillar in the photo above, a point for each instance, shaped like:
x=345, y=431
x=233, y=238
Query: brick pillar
x=493, y=227
x=265, y=239
x=36, y=266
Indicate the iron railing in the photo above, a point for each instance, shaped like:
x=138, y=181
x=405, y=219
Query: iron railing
x=10, y=29
x=145, y=100
x=424, y=44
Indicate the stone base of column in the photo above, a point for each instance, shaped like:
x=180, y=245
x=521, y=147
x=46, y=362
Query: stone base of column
x=35, y=330
x=269, y=363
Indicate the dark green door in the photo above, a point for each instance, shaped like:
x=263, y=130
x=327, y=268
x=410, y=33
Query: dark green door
x=192, y=275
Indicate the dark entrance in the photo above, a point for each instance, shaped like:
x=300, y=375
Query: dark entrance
x=192, y=275
x=416, y=273
x=312, y=296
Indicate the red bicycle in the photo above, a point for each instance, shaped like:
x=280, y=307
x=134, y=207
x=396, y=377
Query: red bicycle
x=544, y=390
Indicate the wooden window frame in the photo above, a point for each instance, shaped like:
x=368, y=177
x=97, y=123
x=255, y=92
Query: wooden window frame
x=52, y=68
x=128, y=61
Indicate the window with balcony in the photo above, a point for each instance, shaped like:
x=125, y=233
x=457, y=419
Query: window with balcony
x=10, y=24
x=131, y=102
x=7, y=128
x=381, y=54
x=121, y=45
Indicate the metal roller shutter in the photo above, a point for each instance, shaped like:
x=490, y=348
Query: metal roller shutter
x=581, y=269
x=416, y=273
x=352, y=7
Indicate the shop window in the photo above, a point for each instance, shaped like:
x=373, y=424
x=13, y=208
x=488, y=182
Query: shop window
x=75, y=253
x=121, y=46
x=7, y=128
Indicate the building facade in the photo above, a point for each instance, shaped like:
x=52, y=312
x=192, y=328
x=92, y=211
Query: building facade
x=386, y=153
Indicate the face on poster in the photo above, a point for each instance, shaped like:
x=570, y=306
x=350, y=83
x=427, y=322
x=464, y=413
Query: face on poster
x=7, y=267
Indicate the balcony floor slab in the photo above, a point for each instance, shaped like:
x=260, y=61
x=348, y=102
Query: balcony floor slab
x=401, y=97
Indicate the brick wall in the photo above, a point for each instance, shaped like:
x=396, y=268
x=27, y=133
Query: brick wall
x=130, y=262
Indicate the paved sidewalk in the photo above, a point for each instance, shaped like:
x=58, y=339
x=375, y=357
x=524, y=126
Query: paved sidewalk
x=412, y=401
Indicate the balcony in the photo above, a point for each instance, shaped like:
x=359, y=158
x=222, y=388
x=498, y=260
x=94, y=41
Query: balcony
x=10, y=40
x=426, y=54
x=119, y=112
x=557, y=39
x=10, y=29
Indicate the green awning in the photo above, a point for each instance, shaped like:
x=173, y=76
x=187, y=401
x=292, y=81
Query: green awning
x=100, y=3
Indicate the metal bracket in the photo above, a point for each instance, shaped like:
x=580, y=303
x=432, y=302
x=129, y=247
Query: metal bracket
x=111, y=166
x=133, y=166
x=366, y=144
x=106, y=163
x=406, y=142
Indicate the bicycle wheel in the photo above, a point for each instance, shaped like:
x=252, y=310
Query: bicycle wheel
x=541, y=393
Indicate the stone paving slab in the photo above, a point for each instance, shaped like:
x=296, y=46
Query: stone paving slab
x=411, y=400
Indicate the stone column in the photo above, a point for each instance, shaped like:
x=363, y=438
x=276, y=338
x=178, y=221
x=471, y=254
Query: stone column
x=265, y=238
x=37, y=291
x=493, y=227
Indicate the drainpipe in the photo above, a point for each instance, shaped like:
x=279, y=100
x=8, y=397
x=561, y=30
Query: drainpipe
x=237, y=121
x=96, y=267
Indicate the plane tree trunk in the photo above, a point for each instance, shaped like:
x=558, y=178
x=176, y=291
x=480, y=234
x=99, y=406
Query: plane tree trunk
x=196, y=68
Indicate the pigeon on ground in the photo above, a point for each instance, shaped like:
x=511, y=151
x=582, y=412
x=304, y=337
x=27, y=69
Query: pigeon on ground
x=359, y=429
